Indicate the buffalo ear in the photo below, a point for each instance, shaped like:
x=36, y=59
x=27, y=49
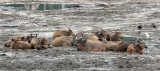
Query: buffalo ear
x=42, y=39
x=31, y=35
x=102, y=30
x=137, y=46
x=82, y=35
x=100, y=39
x=138, y=41
x=36, y=35
x=117, y=32
x=27, y=37
x=69, y=29
x=75, y=35
x=12, y=39
x=146, y=47
x=85, y=41
x=22, y=37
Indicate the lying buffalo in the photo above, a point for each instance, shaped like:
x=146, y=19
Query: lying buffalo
x=90, y=45
x=37, y=43
x=59, y=33
x=16, y=44
x=63, y=41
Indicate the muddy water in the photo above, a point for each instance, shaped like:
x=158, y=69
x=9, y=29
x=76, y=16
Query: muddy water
x=122, y=16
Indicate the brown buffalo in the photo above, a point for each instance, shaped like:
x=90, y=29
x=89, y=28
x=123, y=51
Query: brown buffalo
x=79, y=35
x=63, y=41
x=8, y=43
x=29, y=38
x=135, y=48
x=37, y=43
x=90, y=45
x=59, y=33
x=20, y=38
x=106, y=34
x=116, y=36
x=92, y=36
x=110, y=46
x=123, y=46
x=101, y=35
x=111, y=36
x=45, y=42
x=16, y=44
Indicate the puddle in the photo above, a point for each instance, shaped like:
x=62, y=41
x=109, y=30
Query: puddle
x=7, y=26
x=128, y=38
x=107, y=59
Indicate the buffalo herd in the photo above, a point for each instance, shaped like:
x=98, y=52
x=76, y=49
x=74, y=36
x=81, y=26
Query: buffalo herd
x=103, y=40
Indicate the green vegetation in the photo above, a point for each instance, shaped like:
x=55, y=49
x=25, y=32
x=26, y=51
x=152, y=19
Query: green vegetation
x=49, y=7
x=41, y=6
x=157, y=46
x=17, y=6
x=147, y=39
x=53, y=22
x=108, y=58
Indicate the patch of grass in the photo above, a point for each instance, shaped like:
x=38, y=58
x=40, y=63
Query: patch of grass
x=147, y=39
x=53, y=22
x=128, y=38
x=152, y=53
x=157, y=46
x=158, y=31
x=95, y=27
x=9, y=34
x=108, y=58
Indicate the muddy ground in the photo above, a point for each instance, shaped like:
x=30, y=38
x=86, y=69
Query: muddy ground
x=122, y=16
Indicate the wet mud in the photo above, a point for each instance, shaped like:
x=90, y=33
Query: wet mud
x=122, y=16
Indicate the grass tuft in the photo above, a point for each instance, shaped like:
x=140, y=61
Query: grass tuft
x=53, y=22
